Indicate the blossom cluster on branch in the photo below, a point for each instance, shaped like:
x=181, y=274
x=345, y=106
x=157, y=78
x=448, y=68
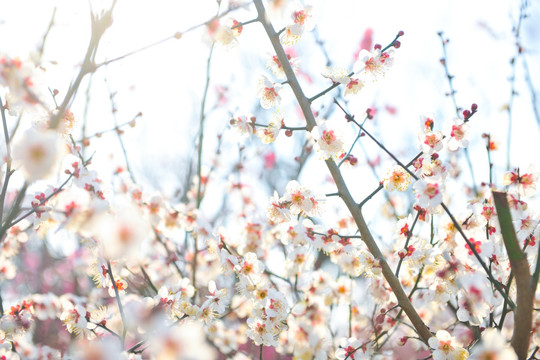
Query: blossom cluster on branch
x=443, y=269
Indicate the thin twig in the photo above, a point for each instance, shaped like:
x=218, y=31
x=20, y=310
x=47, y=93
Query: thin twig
x=8, y=160
x=119, y=302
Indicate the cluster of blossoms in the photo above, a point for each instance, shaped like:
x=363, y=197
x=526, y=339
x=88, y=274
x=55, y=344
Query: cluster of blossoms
x=370, y=66
x=22, y=78
x=108, y=270
x=269, y=308
x=302, y=20
x=297, y=201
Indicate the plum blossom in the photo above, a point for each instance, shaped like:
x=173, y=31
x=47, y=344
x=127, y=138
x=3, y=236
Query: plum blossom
x=7, y=353
x=74, y=318
x=372, y=65
x=397, y=178
x=296, y=201
x=249, y=265
x=38, y=153
x=275, y=66
x=299, y=260
x=261, y=332
x=428, y=195
x=269, y=133
x=459, y=135
x=243, y=123
x=352, y=349
x=268, y=93
x=431, y=141
x=353, y=87
x=526, y=225
x=21, y=78
x=302, y=20
x=493, y=346
x=276, y=306
x=475, y=298
x=225, y=36
x=302, y=17
x=430, y=168
x=180, y=342
x=525, y=184
x=444, y=347
x=301, y=200
x=337, y=75
x=106, y=349
x=278, y=211
x=217, y=299
x=328, y=142
x=123, y=233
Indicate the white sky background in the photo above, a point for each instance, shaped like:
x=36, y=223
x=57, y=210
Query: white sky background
x=166, y=82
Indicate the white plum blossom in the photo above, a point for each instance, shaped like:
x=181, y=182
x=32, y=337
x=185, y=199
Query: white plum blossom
x=493, y=346
x=525, y=183
x=430, y=141
x=353, y=87
x=275, y=66
x=302, y=17
x=300, y=200
x=337, y=75
x=74, y=318
x=300, y=260
x=123, y=232
x=475, y=298
x=37, y=153
x=445, y=348
x=269, y=133
x=459, y=135
x=372, y=65
x=297, y=201
x=22, y=78
x=428, y=195
x=352, y=349
x=397, y=178
x=225, y=36
x=276, y=306
x=526, y=225
x=329, y=142
x=217, y=299
x=302, y=20
x=261, y=332
x=430, y=168
x=268, y=93
x=243, y=123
